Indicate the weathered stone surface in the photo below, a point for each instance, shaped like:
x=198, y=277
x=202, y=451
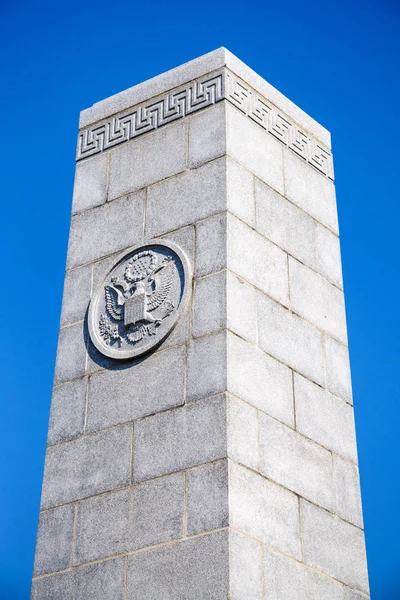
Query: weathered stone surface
x=211, y=245
x=349, y=594
x=54, y=540
x=242, y=433
x=241, y=309
x=106, y=229
x=329, y=262
x=76, y=295
x=90, y=186
x=67, y=416
x=244, y=568
x=195, y=195
x=104, y=580
x=190, y=570
x=207, y=367
x=240, y=192
x=347, y=485
x=257, y=260
x=260, y=380
x=147, y=160
x=290, y=339
x=338, y=378
x=318, y=301
x=263, y=510
x=284, y=577
x=334, y=547
x=285, y=224
x=181, y=438
x=310, y=190
x=296, y=462
x=207, y=135
x=148, y=386
x=325, y=418
x=209, y=304
x=87, y=466
x=259, y=153
x=71, y=353
x=207, y=498
x=129, y=519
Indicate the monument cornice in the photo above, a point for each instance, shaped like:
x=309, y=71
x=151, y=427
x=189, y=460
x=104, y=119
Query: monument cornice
x=193, y=97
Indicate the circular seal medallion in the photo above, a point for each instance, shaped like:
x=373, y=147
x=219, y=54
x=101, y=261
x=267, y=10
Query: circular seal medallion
x=140, y=300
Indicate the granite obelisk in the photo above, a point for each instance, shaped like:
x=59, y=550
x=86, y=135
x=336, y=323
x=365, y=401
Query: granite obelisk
x=201, y=442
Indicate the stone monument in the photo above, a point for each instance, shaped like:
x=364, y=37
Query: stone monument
x=201, y=442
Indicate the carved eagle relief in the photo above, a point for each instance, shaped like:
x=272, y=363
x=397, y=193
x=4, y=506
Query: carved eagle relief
x=139, y=299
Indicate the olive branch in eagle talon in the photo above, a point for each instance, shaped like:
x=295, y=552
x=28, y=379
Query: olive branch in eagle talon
x=144, y=288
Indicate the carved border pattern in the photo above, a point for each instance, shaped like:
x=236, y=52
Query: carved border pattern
x=196, y=96
x=150, y=116
x=269, y=118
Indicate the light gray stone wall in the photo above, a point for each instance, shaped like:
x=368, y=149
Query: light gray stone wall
x=224, y=464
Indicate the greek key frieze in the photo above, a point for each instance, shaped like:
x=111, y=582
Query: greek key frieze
x=196, y=96
x=150, y=116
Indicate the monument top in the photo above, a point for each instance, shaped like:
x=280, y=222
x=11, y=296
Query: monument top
x=192, y=70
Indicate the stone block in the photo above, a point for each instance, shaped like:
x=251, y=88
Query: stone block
x=241, y=302
x=180, y=333
x=263, y=510
x=242, y=433
x=148, y=159
x=325, y=418
x=240, y=192
x=260, y=380
x=104, y=580
x=329, y=262
x=67, y=415
x=296, y=462
x=71, y=353
x=338, y=378
x=334, y=546
x=181, y=438
x=285, y=224
x=147, y=386
x=207, y=135
x=207, y=498
x=100, y=270
x=255, y=149
x=257, y=260
x=291, y=340
x=90, y=186
x=209, y=304
x=106, y=229
x=87, y=466
x=211, y=245
x=76, y=295
x=185, y=239
x=347, y=486
x=54, y=540
x=189, y=570
x=207, y=367
x=194, y=195
x=318, y=301
x=245, y=568
x=310, y=190
x=286, y=579
x=148, y=514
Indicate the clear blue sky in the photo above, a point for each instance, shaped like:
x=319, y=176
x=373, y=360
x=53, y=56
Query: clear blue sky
x=338, y=61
